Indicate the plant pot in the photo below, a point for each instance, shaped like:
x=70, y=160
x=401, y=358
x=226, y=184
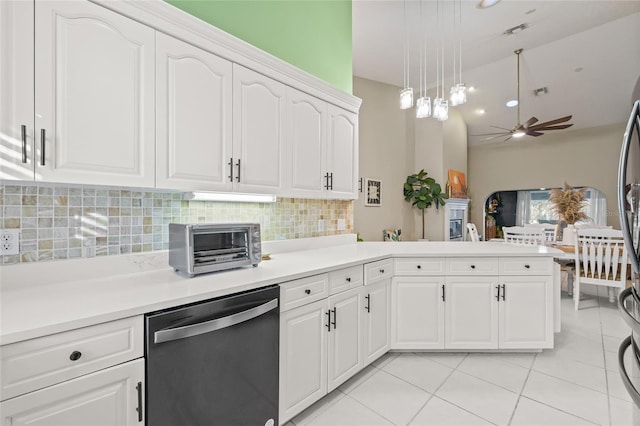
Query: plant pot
x=569, y=235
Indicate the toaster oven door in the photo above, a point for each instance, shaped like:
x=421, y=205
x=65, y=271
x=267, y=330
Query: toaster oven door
x=213, y=246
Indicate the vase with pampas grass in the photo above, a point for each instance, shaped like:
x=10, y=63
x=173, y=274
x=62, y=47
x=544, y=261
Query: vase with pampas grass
x=569, y=204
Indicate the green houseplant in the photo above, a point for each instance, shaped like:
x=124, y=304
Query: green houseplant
x=423, y=192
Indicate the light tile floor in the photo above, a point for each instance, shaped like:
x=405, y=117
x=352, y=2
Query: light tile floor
x=576, y=383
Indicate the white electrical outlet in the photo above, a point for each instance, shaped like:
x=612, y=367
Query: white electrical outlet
x=320, y=225
x=9, y=241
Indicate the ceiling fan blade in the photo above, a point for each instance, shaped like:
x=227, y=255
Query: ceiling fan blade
x=534, y=133
x=556, y=121
x=543, y=127
x=529, y=122
x=492, y=134
x=493, y=137
x=498, y=127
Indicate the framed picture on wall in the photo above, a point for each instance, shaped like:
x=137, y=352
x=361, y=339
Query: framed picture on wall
x=373, y=194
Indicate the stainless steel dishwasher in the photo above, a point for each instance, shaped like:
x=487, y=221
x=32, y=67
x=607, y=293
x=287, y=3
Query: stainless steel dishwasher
x=214, y=362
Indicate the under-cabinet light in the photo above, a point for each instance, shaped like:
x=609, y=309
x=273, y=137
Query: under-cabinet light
x=220, y=196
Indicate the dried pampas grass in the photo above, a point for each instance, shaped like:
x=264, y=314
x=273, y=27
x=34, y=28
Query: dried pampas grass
x=569, y=203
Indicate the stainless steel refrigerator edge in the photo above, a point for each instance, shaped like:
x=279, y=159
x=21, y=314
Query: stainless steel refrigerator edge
x=629, y=299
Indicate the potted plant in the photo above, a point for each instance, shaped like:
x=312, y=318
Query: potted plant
x=569, y=204
x=423, y=192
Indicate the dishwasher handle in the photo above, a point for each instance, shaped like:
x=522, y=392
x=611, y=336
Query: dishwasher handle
x=171, y=334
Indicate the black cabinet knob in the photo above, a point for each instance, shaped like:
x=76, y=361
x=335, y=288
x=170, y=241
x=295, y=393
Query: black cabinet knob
x=527, y=266
x=348, y=279
x=382, y=271
x=75, y=355
x=307, y=291
x=473, y=266
x=419, y=267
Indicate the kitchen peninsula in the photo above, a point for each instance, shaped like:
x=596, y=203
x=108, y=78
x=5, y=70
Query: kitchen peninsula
x=443, y=296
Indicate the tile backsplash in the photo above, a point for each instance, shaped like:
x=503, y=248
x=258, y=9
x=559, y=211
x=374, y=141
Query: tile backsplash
x=63, y=222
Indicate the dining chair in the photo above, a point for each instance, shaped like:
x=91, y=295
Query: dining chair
x=473, y=232
x=523, y=235
x=600, y=259
x=549, y=231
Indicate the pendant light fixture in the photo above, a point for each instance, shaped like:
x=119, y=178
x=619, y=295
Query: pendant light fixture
x=458, y=92
x=440, y=105
x=423, y=104
x=406, y=94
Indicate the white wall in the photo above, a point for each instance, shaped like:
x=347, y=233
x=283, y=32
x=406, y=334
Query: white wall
x=386, y=154
x=587, y=157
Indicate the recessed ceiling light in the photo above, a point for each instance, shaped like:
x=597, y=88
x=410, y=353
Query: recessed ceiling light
x=483, y=4
x=480, y=111
x=512, y=103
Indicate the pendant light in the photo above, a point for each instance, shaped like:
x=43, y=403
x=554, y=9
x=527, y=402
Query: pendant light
x=423, y=104
x=440, y=105
x=458, y=92
x=406, y=94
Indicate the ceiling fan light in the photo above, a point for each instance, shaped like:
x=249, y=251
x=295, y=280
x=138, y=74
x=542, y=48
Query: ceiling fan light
x=519, y=134
x=458, y=94
x=512, y=103
x=423, y=107
x=406, y=98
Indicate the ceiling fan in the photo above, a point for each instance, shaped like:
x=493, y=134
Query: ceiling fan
x=529, y=127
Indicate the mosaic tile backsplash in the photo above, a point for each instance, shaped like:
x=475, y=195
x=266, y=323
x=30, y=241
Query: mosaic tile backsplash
x=63, y=222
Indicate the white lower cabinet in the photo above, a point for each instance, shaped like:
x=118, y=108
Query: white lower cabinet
x=108, y=397
x=375, y=328
x=418, y=314
x=471, y=313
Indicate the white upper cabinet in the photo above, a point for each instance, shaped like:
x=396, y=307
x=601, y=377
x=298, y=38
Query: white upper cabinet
x=258, y=132
x=305, y=161
x=16, y=90
x=342, y=153
x=94, y=96
x=193, y=124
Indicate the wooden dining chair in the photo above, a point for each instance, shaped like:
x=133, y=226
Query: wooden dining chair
x=600, y=259
x=523, y=235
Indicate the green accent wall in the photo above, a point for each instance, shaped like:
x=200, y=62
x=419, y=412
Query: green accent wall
x=314, y=35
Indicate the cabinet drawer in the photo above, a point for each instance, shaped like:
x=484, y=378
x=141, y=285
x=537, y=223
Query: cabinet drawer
x=37, y=363
x=344, y=279
x=471, y=266
x=526, y=266
x=376, y=271
x=305, y=290
x=416, y=266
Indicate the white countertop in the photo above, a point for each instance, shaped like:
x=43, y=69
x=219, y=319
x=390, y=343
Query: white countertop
x=44, y=298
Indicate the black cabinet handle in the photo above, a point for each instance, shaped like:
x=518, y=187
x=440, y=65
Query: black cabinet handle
x=382, y=271
x=527, y=266
x=348, y=279
x=75, y=355
x=308, y=291
x=443, y=292
x=326, y=177
x=419, y=267
x=498, y=295
x=328, y=325
x=368, y=307
x=238, y=165
x=23, y=136
x=473, y=266
x=360, y=184
x=43, y=136
x=139, y=407
x=230, y=164
x=503, y=291
x=331, y=177
x=334, y=318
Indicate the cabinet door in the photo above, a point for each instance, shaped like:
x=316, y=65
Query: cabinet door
x=306, y=124
x=108, y=397
x=94, y=96
x=258, y=131
x=471, y=313
x=16, y=88
x=345, y=337
x=342, y=153
x=376, y=316
x=417, y=313
x=193, y=125
x=303, y=358
x=526, y=312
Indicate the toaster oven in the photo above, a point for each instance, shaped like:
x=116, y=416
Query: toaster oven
x=200, y=248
